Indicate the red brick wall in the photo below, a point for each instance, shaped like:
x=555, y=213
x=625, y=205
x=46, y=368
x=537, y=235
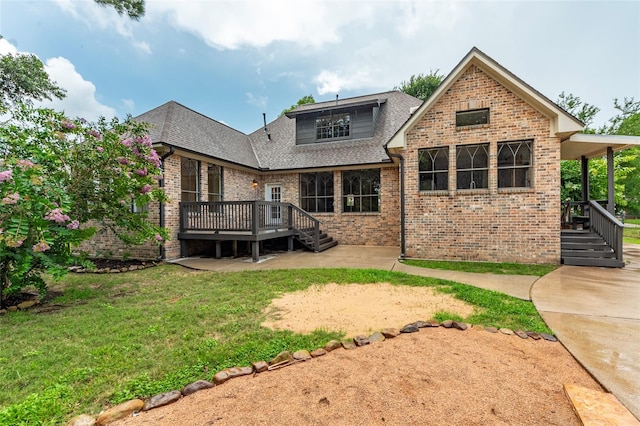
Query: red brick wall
x=509, y=225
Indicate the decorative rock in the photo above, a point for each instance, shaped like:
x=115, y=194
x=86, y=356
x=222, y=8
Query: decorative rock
x=348, y=344
x=491, y=329
x=220, y=377
x=459, y=325
x=447, y=324
x=12, y=308
x=196, y=386
x=433, y=324
x=361, y=340
x=331, y=345
x=506, y=331
x=27, y=304
x=421, y=324
x=521, y=334
x=239, y=371
x=549, y=337
x=318, y=352
x=534, y=335
x=376, y=337
x=409, y=328
x=260, y=366
x=162, y=399
x=282, y=357
x=301, y=355
x=3, y=311
x=120, y=411
x=390, y=333
x=82, y=420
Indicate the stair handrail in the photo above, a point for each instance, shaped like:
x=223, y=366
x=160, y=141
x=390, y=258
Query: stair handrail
x=301, y=230
x=605, y=224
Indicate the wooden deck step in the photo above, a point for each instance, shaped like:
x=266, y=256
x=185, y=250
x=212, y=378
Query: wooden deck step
x=598, y=408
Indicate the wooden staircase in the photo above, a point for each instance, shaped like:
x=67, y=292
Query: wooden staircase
x=586, y=248
x=324, y=241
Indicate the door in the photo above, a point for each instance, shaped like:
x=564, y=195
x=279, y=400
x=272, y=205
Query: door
x=273, y=193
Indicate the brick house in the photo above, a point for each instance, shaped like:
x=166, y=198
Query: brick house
x=473, y=173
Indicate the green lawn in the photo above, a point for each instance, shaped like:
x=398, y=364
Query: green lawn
x=632, y=235
x=120, y=336
x=483, y=267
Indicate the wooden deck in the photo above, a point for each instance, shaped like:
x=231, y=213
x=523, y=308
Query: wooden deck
x=252, y=221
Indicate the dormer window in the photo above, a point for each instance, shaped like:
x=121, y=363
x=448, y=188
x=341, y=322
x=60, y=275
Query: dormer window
x=333, y=126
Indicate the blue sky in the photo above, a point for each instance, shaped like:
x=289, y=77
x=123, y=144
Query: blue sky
x=234, y=60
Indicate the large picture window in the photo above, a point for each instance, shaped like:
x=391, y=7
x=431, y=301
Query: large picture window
x=333, y=126
x=515, y=164
x=214, y=183
x=316, y=192
x=472, y=166
x=190, y=179
x=361, y=190
x=433, y=168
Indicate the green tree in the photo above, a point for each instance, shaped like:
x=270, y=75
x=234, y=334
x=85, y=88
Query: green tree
x=23, y=79
x=579, y=109
x=133, y=8
x=308, y=99
x=421, y=86
x=59, y=179
x=626, y=163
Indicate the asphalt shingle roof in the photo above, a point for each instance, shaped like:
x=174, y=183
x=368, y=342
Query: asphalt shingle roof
x=176, y=125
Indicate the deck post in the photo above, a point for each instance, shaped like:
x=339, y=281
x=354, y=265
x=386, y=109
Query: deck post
x=611, y=204
x=218, y=249
x=290, y=243
x=255, y=250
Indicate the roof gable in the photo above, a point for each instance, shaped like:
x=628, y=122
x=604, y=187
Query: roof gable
x=563, y=124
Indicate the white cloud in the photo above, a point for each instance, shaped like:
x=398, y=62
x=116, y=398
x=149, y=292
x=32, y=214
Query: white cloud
x=80, y=100
x=104, y=18
x=7, y=48
x=142, y=46
x=235, y=24
x=81, y=94
x=258, y=101
x=129, y=105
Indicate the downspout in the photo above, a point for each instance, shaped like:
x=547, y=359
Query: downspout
x=161, y=255
x=402, y=203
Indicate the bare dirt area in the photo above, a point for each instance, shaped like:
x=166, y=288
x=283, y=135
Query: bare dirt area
x=436, y=376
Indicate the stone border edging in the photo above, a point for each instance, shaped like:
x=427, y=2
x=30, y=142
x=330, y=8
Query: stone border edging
x=284, y=359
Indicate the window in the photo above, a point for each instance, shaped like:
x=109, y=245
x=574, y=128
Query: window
x=190, y=179
x=515, y=164
x=333, y=126
x=472, y=164
x=139, y=209
x=433, y=168
x=361, y=190
x=316, y=192
x=472, y=118
x=214, y=183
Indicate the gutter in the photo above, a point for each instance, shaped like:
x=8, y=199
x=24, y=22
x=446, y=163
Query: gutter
x=402, y=203
x=161, y=254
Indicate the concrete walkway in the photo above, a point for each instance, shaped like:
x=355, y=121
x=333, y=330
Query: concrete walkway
x=360, y=257
x=595, y=312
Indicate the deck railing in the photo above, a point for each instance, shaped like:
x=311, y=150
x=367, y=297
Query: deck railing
x=607, y=226
x=253, y=217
